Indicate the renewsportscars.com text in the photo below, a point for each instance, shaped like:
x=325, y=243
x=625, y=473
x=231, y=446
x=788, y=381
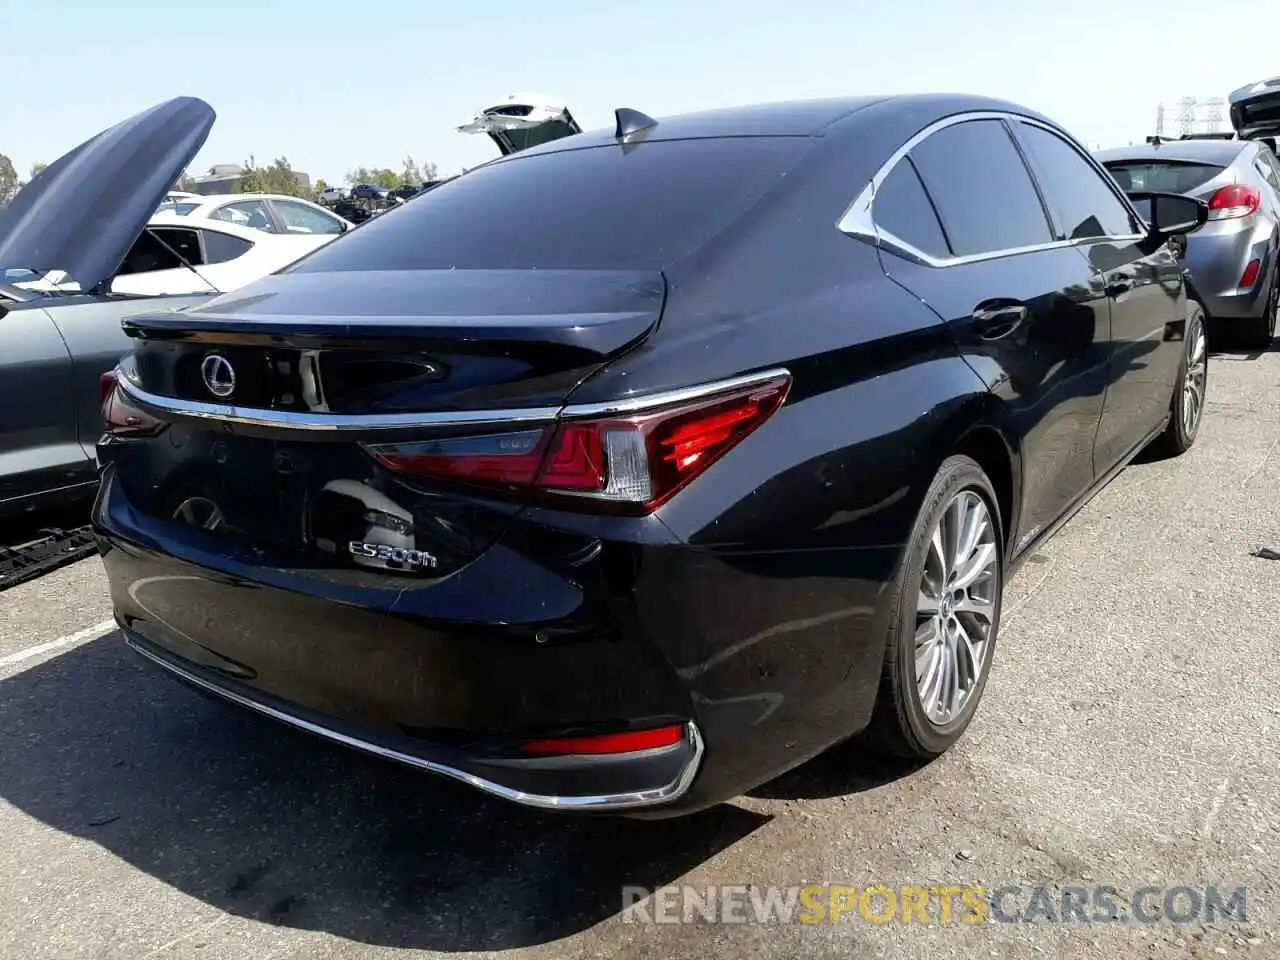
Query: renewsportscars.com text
x=934, y=904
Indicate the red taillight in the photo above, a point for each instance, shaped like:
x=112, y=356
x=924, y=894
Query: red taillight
x=630, y=463
x=1250, y=275
x=1237, y=200
x=609, y=743
x=120, y=418
x=106, y=384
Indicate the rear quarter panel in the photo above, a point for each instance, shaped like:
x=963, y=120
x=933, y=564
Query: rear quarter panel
x=91, y=329
x=797, y=533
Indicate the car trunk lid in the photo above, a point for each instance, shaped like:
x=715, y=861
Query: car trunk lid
x=1255, y=109
x=523, y=121
x=276, y=401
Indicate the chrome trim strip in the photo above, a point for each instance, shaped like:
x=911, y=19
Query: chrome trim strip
x=668, y=398
x=348, y=423
x=329, y=422
x=617, y=801
x=858, y=221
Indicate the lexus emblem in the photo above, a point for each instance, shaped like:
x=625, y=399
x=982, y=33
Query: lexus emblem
x=219, y=375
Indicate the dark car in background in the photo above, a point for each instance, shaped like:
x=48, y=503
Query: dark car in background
x=1233, y=258
x=370, y=191
x=719, y=452
x=84, y=220
x=1255, y=110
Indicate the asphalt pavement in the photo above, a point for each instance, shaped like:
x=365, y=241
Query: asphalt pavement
x=1128, y=739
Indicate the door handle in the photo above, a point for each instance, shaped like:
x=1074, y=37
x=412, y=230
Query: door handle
x=996, y=320
x=1118, y=287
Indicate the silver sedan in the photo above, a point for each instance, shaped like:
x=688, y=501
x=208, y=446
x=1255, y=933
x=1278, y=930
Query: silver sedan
x=1232, y=260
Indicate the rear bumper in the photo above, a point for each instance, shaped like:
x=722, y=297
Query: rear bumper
x=1217, y=262
x=764, y=659
x=621, y=782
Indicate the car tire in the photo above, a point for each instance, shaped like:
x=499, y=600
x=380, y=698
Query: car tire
x=1259, y=332
x=1190, y=387
x=908, y=720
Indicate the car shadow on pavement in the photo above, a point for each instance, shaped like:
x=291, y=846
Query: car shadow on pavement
x=848, y=767
x=274, y=825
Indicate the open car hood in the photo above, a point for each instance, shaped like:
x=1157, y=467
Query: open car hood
x=522, y=121
x=1255, y=109
x=82, y=214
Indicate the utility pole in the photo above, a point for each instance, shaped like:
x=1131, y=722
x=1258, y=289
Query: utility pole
x=1187, y=115
x=1213, y=113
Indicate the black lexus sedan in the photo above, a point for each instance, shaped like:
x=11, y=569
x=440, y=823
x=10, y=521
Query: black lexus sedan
x=626, y=472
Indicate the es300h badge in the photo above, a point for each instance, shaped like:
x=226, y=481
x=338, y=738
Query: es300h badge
x=399, y=556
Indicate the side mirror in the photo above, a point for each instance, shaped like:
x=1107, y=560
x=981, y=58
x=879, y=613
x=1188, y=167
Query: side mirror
x=1169, y=214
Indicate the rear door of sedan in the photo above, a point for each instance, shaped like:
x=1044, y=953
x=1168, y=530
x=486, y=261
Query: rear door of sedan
x=1143, y=286
x=962, y=225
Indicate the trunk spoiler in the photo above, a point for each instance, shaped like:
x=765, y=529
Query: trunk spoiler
x=1255, y=109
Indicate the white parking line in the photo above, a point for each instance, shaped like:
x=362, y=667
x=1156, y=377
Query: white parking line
x=39, y=650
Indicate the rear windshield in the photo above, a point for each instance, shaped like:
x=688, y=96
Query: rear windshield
x=1166, y=176
x=612, y=207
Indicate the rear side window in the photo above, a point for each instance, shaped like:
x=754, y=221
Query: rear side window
x=1085, y=205
x=1265, y=166
x=221, y=247
x=903, y=209
x=981, y=188
x=639, y=206
x=1164, y=176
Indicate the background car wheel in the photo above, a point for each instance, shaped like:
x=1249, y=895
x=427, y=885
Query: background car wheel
x=1186, y=408
x=1259, y=332
x=945, y=619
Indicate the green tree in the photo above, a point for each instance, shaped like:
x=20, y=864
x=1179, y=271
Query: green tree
x=251, y=179
x=37, y=169
x=279, y=177
x=9, y=182
x=414, y=175
x=321, y=185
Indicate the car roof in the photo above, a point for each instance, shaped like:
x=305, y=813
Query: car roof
x=241, y=197
x=1219, y=152
x=793, y=118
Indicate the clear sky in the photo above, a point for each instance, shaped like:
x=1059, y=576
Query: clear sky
x=333, y=87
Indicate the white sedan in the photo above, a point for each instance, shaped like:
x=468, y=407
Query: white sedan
x=222, y=256
x=176, y=256
x=271, y=213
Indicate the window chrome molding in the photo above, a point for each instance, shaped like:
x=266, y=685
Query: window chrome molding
x=631, y=800
x=320, y=421
x=858, y=219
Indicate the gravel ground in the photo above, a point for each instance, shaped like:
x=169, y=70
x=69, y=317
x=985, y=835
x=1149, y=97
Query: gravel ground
x=1127, y=738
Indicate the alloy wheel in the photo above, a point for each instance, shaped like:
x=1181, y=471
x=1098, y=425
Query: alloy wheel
x=1193, y=386
x=955, y=612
